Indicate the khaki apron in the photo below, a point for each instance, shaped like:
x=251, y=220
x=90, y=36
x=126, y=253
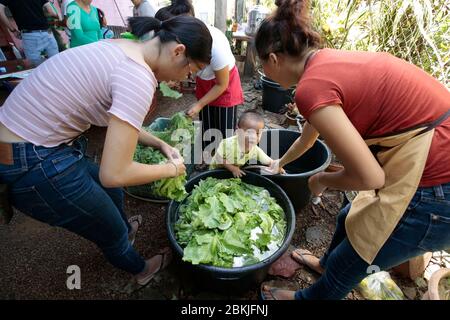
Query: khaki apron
x=374, y=214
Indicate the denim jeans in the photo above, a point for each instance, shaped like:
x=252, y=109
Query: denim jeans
x=64, y=190
x=424, y=227
x=35, y=43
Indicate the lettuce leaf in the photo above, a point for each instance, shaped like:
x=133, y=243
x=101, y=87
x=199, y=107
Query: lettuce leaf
x=226, y=219
x=168, y=92
x=175, y=135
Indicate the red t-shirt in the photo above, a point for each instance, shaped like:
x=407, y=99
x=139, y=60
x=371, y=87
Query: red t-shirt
x=380, y=94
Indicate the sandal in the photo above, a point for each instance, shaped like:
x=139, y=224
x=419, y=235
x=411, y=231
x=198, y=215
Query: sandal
x=301, y=253
x=166, y=258
x=271, y=290
x=132, y=233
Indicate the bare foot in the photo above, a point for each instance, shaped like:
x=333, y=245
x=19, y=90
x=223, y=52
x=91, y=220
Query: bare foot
x=271, y=293
x=306, y=258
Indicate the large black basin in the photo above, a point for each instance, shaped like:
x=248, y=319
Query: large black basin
x=274, y=97
x=295, y=183
x=241, y=278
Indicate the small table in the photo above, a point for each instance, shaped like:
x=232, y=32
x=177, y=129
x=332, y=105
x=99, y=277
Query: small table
x=11, y=80
x=249, y=66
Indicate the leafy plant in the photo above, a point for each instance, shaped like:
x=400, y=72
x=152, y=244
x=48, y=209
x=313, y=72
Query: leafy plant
x=229, y=223
x=179, y=133
x=171, y=188
x=169, y=92
x=415, y=30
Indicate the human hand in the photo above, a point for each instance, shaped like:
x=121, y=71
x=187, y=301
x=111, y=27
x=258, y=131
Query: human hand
x=170, y=152
x=237, y=172
x=194, y=110
x=275, y=167
x=177, y=166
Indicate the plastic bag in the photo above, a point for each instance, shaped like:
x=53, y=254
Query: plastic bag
x=380, y=286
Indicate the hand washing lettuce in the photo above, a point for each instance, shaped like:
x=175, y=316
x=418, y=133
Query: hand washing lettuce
x=172, y=188
x=229, y=223
x=178, y=133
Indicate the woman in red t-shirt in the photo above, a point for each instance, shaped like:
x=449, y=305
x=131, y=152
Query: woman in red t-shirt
x=356, y=99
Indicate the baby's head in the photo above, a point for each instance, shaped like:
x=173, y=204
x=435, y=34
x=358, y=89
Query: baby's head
x=249, y=128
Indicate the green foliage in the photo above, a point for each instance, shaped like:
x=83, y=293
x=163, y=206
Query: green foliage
x=168, y=92
x=414, y=30
x=178, y=133
x=226, y=219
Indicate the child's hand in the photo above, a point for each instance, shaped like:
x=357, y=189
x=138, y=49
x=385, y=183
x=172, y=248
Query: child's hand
x=237, y=172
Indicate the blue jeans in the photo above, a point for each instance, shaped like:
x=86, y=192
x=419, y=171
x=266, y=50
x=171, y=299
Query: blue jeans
x=35, y=43
x=424, y=227
x=64, y=190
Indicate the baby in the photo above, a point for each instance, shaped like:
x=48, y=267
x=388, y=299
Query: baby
x=239, y=149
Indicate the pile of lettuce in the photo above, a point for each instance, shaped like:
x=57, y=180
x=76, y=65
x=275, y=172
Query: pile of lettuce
x=179, y=133
x=229, y=223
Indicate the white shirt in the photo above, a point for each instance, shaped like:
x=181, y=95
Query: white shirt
x=145, y=9
x=221, y=55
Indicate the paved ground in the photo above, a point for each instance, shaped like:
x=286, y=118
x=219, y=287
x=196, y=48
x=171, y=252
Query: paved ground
x=34, y=257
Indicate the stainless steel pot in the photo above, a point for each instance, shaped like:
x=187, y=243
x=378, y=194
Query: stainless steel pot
x=255, y=16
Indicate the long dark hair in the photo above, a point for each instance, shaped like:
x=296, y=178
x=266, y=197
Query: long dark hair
x=189, y=31
x=176, y=8
x=287, y=30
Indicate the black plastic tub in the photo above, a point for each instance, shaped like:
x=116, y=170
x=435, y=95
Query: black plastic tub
x=295, y=183
x=274, y=97
x=231, y=280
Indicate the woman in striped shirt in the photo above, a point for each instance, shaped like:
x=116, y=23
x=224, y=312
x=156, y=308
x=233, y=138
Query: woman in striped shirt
x=109, y=84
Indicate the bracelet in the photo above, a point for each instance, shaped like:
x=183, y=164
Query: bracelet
x=176, y=168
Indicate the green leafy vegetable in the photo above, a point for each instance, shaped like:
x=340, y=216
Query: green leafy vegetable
x=172, y=188
x=178, y=134
x=168, y=92
x=226, y=223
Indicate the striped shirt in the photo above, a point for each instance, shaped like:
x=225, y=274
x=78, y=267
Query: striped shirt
x=78, y=88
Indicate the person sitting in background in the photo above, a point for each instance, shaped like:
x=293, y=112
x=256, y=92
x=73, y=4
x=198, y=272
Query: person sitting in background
x=83, y=23
x=238, y=150
x=142, y=8
x=33, y=28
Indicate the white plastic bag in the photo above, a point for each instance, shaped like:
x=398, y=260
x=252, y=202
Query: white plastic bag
x=380, y=286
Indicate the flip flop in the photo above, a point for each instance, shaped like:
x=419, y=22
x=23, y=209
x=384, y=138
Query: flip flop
x=272, y=291
x=132, y=234
x=166, y=258
x=301, y=258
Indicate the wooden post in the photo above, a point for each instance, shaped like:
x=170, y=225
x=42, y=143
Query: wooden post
x=220, y=15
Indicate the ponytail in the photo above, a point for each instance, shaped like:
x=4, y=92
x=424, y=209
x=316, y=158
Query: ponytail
x=186, y=30
x=287, y=30
x=140, y=26
x=177, y=8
